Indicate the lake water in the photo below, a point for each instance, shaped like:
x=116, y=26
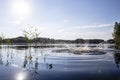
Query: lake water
x=21, y=63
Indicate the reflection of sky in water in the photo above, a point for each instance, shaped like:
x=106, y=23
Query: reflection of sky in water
x=42, y=64
x=21, y=76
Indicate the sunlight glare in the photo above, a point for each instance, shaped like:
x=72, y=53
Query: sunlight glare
x=21, y=8
x=21, y=76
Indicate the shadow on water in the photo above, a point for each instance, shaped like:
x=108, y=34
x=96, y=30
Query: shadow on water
x=117, y=59
x=21, y=47
x=1, y=60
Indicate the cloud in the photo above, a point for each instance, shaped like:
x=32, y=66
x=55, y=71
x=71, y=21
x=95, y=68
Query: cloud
x=97, y=34
x=81, y=32
x=73, y=32
x=94, y=26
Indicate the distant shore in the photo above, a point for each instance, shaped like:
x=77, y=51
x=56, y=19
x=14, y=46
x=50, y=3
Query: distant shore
x=21, y=40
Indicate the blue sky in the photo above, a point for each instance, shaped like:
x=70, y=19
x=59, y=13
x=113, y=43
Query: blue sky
x=60, y=19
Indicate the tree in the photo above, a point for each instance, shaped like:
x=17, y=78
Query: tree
x=7, y=41
x=30, y=34
x=2, y=37
x=116, y=35
x=0, y=40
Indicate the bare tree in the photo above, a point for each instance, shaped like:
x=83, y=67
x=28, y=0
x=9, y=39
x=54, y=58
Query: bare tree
x=30, y=34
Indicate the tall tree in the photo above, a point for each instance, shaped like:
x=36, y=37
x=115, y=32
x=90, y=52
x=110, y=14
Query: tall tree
x=0, y=40
x=116, y=35
x=30, y=34
x=2, y=37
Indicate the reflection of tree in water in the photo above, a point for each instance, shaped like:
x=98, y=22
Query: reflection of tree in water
x=31, y=63
x=9, y=56
x=30, y=59
x=1, y=61
x=117, y=59
x=25, y=62
x=27, y=59
x=35, y=72
x=7, y=63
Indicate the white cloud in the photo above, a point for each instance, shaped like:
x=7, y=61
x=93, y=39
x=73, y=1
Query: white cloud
x=79, y=32
x=97, y=34
x=62, y=32
x=94, y=26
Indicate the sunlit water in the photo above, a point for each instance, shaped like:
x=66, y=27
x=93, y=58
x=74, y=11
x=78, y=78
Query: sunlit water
x=43, y=64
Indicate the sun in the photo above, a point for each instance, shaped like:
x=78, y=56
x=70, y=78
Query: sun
x=21, y=8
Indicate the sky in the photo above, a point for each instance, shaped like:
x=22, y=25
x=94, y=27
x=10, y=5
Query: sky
x=60, y=19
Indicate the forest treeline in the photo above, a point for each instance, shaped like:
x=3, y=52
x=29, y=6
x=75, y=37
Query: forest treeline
x=21, y=40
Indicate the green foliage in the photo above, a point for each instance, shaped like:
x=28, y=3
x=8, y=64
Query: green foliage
x=30, y=34
x=116, y=35
x=2, y=37
x=0, y=40
x=7, y=41
x=25, y=33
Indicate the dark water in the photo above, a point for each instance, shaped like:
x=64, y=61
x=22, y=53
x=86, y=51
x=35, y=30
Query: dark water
x=43, y=64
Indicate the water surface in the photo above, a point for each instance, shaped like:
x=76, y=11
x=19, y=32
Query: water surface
x=18, y=63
